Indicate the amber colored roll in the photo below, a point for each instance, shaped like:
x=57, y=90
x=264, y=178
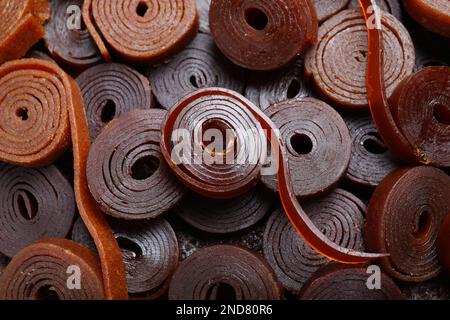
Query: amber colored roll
x=67, y=39
x=146, y=31
x=110, y=90
x=44, y=271
x=393, y=7
x=126, y=172
x=35, y=203
x=318, y=145
x=371, y=160
x=22, y=25
x=340, y=282
x=263, y=35
x=444, y=243
x=199, y=65
x=337, y=65
x=340, y=216
x=420, y=106
x=277, y=86
x=328, y=8
x=434, y=15
x=227, y=215
x=41, y=114
x=224, y=272
x=149, y=250
x=203, y=10
x=404, y=217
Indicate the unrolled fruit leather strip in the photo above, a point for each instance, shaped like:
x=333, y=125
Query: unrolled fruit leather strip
x=21, y=25
x=146, y=31
x=434, y=15
x=41, y=271
x=33, y=91
x=397, y=124
x=236, y=106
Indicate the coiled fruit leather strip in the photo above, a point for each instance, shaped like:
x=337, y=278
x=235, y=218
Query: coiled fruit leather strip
x=21, y=22
x=337, y=65
x=146, y=31
x=42, y=271
x=217, y=107
x=110, y=90
x=418, y=132
x=41, y=112
x=126, y=172
x=444, y=243
x=203, y=10
x=199, y=65
x=224, y=272
x=434, y=15
x=35, y=203
x=228, y=215
x=263, y=35
x=393, y=7
x=404, y=217
x=340, y=282
x=67, y=39
x=149, y=250
x=318, y=145
x=327, y=8
x=340, y=216
x=277, y=86
x=371, y=160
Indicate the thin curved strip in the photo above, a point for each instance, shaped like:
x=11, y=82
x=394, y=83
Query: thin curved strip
x=299, y=219
x=41, y=271
x=60, y=99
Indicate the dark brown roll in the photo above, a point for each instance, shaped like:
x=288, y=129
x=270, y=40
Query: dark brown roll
x=224, y=272
x=42, y=271
x=277, y=86
x=327, y=8
x=318, y=145
x=394, y=7
x=68, y=43
x=340, y=282
x=404, y=217
x=227, y=215
x=35, y=203
x=263, y=35
x=199, y=65
x=371, y=160
x=444, y=244
x=149, y=250
x=146, y=31
x=111, y=90
x=203, y=10
x=434, y=15
x=126, y=172
x=337, y=65
x=420, y=107
x=339, y=215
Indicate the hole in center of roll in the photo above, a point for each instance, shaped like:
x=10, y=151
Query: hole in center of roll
x=27, y=204
x=441, y=113
x=144, y=167
x=222, y=292
x=218, y=138
x=129, y=248
x=108, y=111
x=301, y=143
x=22, y=113
x=256, y=18
x=374, y=145
x=361, y=56
x=141, y=9
x=423, y=225
x=193, y=81
x=46, y=292
x=293, y=89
